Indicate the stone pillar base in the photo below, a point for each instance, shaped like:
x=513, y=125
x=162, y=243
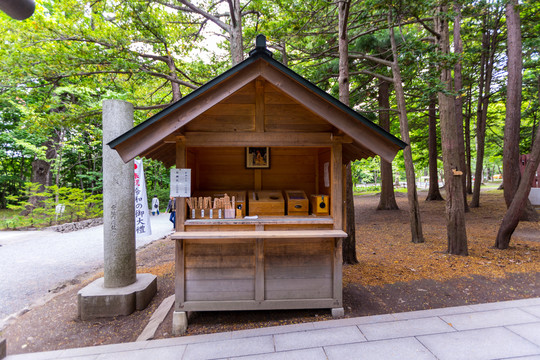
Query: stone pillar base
x=179, y=323
x=338, y=313
x=96, y=301
x=3, y=348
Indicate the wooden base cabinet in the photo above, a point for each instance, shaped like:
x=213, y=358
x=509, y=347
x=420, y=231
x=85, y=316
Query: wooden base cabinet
x=258, y=274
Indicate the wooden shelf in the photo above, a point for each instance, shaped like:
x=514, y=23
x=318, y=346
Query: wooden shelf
x=269, y=234
x=278, y=220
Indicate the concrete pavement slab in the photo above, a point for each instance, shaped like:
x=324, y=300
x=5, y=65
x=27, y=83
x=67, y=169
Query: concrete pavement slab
x=506, y=304
x=195, y=339
x=163, y=353
x=432, y=312
x=533, y=310
x=486, y=319
x=102, y=349
x=533, y=357
x=272, y=330
x=480, y=344
x=353, y=321
x=315, y=338
x=229, y=348
x=405, y=328
x=304, y=354
x=402, y=349
x=40, y=356
x=530, y=332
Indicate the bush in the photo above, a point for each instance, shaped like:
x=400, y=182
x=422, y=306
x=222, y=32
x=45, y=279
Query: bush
x=50, y=205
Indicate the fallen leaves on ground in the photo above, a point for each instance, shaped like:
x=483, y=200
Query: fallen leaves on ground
x=386, y=254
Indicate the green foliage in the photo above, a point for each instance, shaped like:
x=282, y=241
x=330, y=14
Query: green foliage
x=57, y=67
x=45, y=206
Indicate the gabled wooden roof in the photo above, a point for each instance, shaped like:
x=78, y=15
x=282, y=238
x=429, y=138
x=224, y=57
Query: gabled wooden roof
x=324, y=117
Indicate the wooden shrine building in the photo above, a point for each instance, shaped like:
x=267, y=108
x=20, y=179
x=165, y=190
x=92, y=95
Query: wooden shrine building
x=263, y=225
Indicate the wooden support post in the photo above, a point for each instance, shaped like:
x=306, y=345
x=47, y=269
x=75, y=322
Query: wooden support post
x=338, y=277
x=316, y=173
x=180, y=276
x=336, y=197
x=180, y=202
x=344, y=195
x=259, y=270
x=337, y=205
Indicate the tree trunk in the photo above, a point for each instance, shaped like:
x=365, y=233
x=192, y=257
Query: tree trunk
x=236, y=41
x=511, y=218
x=433, y=192
x=412, y=196
x=387, y=200
x=489, y=44
x=41, y=171
x=177, y=94
x=349, y=243
x=511, y=172
x=468, y=142
x=458, y=84
x=453, y=172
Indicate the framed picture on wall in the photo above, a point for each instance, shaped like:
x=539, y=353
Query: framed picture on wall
x=258, y=157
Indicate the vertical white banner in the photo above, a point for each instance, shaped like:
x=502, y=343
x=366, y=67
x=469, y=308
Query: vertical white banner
x=142, y=215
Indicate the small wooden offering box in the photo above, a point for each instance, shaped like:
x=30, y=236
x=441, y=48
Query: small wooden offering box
x=266, y=203
x=297, y=203
x=320, y=204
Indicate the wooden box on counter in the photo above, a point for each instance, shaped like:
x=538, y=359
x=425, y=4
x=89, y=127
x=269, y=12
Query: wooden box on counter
x=266, y=203
x=320, y=205
x=297, y=203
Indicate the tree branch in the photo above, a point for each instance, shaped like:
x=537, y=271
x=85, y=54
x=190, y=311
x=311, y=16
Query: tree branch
x=371, y=58
x=210, y=17
x=378, y=76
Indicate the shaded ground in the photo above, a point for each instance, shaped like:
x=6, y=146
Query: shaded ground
x=393, y=275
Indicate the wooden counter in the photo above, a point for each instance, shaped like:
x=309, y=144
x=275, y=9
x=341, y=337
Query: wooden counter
x=265, y=234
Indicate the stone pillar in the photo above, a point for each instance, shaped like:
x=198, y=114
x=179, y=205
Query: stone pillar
x=121, y=291
x=118, y=199
x=3, y=348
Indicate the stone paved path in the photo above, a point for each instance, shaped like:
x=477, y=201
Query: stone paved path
x=503, y=330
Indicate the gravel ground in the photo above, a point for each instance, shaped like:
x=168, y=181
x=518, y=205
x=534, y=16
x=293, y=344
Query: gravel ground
x=35, y=264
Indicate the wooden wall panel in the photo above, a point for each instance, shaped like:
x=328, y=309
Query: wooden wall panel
x=219, y=271
x=283, y=114
x=295, y=270
x=291, y=169
x=245, y=95
x=234, y=113
x=272, y=95
x=224, y=169
x=225, y=117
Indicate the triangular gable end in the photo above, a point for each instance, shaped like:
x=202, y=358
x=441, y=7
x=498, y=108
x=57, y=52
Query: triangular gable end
x=258, y=95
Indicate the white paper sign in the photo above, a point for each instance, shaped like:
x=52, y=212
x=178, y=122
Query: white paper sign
x=181, y=182
x=142, y=215
x=326, y=174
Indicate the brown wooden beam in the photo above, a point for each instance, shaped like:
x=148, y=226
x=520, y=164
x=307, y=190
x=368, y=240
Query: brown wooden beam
x=213, y=139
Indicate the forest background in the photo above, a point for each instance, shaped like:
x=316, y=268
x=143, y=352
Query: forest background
x=58, y=66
